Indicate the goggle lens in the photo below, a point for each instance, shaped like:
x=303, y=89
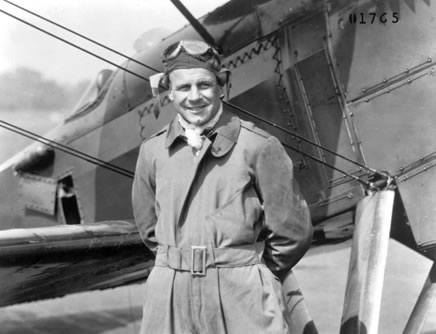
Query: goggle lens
x=193, y=48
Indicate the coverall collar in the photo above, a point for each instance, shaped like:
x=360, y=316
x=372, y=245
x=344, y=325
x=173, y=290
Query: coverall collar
x=224, y=136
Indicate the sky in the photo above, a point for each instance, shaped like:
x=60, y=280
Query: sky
x=115, y=23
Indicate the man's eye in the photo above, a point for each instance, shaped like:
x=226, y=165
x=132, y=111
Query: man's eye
x=204, y=85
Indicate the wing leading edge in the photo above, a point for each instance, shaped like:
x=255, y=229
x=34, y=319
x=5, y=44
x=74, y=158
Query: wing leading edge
x=48, y=262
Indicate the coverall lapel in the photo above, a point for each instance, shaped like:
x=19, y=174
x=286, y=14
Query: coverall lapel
x=224, y=137
x=191, y=177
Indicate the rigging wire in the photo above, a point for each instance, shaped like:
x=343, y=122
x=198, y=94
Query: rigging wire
x=82, y=36
x=234, y=106
x=130, y=174
x=301, y=151
x=296, y=135
x=361, y=166
x=76, y=46
x=66, y=149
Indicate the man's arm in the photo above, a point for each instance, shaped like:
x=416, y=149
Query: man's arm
x=287, y=219
x=143, y=199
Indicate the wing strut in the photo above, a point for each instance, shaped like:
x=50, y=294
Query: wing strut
x=367, y=264
x=423, y=305
x=195, y=23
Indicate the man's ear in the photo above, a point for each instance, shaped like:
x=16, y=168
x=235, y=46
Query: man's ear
x=221, y=91
x=223, y=76
x=165, y=81
x=170, y=93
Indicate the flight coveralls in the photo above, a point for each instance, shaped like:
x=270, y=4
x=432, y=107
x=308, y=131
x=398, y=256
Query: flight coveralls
x=202, y=215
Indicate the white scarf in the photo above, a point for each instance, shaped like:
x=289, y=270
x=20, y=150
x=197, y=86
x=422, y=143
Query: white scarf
x=194, y=133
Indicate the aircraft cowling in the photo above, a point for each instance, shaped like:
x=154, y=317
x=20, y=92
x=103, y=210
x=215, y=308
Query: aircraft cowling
x=38, y=158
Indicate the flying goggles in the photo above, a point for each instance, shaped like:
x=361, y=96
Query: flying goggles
x=189, y=54
x=193, y=48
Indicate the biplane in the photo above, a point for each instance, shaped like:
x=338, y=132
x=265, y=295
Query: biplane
x=347, y=86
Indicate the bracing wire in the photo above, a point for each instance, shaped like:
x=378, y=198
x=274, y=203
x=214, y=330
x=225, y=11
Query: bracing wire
x=66, y=149
x=125, y=172
x=102, y=163
x=301, y=151
x=296, y=135
x=81, y=36
x=75, y=45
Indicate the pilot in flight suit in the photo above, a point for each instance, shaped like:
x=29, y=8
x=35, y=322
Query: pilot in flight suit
x=206, y=187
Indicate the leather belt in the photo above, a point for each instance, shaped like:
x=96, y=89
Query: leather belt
x=197, y=259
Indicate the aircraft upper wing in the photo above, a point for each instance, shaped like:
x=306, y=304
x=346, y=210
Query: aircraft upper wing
x=48, y=262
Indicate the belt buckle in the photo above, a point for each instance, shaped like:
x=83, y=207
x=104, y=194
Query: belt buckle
x=202, y=250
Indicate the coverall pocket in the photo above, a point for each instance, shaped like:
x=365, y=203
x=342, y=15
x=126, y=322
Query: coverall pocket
x=273, y=286
x=234, y=222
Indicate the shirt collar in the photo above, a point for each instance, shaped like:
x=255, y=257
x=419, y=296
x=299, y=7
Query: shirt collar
x=174, y=131
x=224, y=136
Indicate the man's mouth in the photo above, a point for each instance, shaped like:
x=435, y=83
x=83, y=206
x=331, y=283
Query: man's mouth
x=196, y=108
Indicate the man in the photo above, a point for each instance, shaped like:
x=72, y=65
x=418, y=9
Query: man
x=206, y=187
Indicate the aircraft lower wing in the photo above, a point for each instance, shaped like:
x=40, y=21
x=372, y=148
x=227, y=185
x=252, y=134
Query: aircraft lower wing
x=48, y=262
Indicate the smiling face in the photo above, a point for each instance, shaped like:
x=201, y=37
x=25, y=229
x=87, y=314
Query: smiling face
x=195, y=93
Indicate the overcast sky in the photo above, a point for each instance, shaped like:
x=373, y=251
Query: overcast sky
x=115, y=23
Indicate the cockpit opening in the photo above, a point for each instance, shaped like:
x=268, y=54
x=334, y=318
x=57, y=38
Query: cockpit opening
x=93, y=93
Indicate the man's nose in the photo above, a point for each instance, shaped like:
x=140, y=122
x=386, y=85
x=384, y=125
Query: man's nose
x=194, y=94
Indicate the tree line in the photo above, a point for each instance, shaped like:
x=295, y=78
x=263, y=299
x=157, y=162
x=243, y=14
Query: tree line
x=26, y=88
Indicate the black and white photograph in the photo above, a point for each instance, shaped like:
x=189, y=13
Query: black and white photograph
x=217, y=167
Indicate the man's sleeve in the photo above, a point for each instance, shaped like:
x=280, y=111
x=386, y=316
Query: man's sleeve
x=288, y=228
x=143, y=199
